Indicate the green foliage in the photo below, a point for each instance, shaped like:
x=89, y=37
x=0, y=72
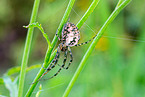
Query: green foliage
x=114, y=68
x=1, y=81
x=39, y=91
x=92, y=46
x=88, y=12
x=41, y=29
x=27, y=49
x=15, y=70
x=2, y=96
x=11, y=86
x=50, y=48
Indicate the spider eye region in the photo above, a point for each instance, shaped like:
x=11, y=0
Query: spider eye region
x=70, y=35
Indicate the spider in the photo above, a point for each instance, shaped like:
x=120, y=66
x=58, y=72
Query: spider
x=70, y=38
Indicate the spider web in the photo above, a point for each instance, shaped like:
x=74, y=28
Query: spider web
x=120, y=38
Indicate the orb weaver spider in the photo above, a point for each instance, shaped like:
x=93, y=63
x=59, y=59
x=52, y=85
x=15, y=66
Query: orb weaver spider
x=70, y=37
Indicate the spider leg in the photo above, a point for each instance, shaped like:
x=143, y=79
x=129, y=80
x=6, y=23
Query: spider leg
x=58, y=36
x=62, y=66
x=55, y=60
x=51, y=66
x=70, y=59
x=85, y=42
x=71, y=56
x=64, y=61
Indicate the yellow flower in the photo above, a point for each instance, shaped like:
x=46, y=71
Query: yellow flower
x=103, y=44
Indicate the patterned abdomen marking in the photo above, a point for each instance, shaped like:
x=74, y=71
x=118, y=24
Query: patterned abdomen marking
x=70, y=34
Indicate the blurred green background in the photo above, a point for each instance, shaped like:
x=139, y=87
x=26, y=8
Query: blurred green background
x=114, y=69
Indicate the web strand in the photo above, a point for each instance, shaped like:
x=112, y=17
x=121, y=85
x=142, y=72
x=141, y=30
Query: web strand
x=119, y=38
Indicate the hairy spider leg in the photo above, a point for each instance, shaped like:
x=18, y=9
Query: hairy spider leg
x=62, y=66
x=70, y=59
x=62, y=31
x=85, y=42
x=71, y=56
x=65, y=58
x=58, y=37
x=55, y=60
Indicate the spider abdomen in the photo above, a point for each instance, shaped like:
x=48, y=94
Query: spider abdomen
x=70, y=34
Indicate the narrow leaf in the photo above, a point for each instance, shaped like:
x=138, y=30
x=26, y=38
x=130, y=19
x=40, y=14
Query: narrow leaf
x=39, y=91
x=11, y=86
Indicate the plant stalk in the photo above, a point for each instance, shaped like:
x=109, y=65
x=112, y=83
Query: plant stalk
x=27, y=49
x=93, y=44
x=49, y=50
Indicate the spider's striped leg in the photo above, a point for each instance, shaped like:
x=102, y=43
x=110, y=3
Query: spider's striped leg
x=62, y=66
x=85, y=42
x=47, y=70
x=58, y=36
x=71, y=56
x=51, y=66
x=55, y=60
x=70, y=59
x=64, y=61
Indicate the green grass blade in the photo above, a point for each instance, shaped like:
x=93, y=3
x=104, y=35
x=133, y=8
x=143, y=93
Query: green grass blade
x=40, y=72
x=27, y=49
x=93, y=44
x=17, y=69
x=1, y=81
x=37, y=25
x=120, y=2
x=63, y=21
x=87, y=14
x=39, y=91
x=49, y=50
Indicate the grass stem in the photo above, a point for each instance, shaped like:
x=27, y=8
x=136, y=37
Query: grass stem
x=93, y=44
x=27, y=49
x=49, y=50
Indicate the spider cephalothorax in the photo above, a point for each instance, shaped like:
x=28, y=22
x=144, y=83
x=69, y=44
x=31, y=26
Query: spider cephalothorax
x=70, y=37
x=63, y=47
